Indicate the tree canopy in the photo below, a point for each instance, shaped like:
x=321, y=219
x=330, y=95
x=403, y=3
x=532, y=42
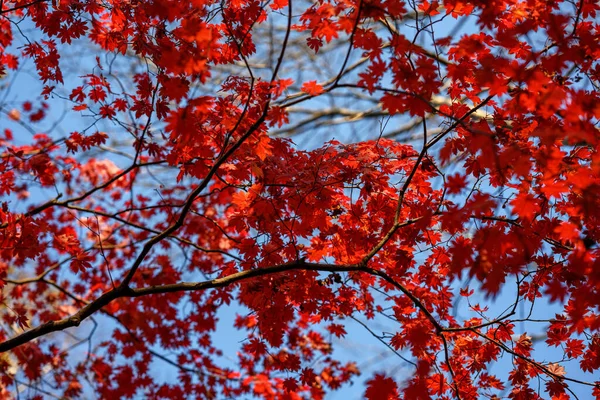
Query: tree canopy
x=309, y=165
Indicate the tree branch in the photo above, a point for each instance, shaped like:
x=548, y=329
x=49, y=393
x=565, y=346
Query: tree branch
x=124, y=291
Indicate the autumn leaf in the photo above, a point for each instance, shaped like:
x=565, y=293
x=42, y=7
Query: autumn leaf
x=556, y=369
x=455, y=183
x=314, y=43
x=381, y=388
x=263, y=147
x=312, y=88
x=14, y=114
x=22, y=321
x=526, y=206
x=567, y=231
x=174, y=88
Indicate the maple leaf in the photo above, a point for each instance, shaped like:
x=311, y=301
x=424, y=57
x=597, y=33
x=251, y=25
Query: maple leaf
x=263, y=147
x=574, y=348
x=381, y=387
x=78, y=94
x=281, y=85
x=174, y=88
x=428, y=8
x=14, y=114
x=556, y=369
x=97, y=94
x=394, y=104
x=312, y=88
x=526, y=205
x=337, y=330
x=107, y=111
x=308, y=376
x=81, y=262
x=314, y=43
x=290, y=384
x=567, y=231
x=455, y=183
x=22, y=321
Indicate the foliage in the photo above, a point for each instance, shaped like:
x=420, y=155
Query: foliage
x=175, y=190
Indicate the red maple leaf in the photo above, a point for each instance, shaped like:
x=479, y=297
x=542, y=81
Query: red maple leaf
x=312, y=88
x=526, y=206
x=381, y=388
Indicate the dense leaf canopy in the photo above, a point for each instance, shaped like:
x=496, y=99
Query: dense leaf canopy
x=313, y=166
